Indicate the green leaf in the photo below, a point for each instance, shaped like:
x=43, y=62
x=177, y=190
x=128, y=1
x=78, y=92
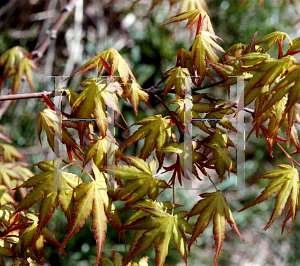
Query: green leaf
x=43, y=188
x=212, y=204
x=155, y=130
x=141, y=180
x=92, y=199
x=287, y=183
x=157, y=229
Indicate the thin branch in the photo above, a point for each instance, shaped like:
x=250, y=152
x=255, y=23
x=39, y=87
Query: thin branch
x=211, y=98
x=52, y=33
x=193, y=89
x=24, y=96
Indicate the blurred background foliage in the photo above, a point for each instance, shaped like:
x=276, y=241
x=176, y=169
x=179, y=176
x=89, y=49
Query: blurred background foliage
x=98, y=25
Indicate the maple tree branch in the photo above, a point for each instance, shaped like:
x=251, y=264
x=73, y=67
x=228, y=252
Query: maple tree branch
x=24, y=96
x=43, y=46
x=164, y=104
x=154, y=91
x=52, y=32
x=211, y=98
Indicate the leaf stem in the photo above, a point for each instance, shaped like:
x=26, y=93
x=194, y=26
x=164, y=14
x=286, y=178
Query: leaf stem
x=289, y=156
x=212, y=182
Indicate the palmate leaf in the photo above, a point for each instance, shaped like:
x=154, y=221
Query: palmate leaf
x=272, y=38
x=132, y=91
x=13, y=175
x=221, y=160
x=195, y=15
x=135, y=93
x=117, y=64
x=24, y=68
x=157, y=228
x=212, y=204
x=15, y=63
x=92, y=199
x=141, y=180
x=180, y=149
x=46, y=121
x=92, y=103
x=265, y=73
x=97, y=150
x=43, y=188
x=177, y=77
x=287, y=183
x=201, y=49
x=155, y=130
x=9, y=153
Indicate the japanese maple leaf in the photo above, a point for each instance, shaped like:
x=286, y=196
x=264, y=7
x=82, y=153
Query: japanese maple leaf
x=97, y=150
x=32, y=241
x=201, y=48
x=287, y=183
x=92, y=103
x=13, y=175
x=213, y=204
x=135, y=93
x=92, y=199
x=43, y=188
x=221, y=160
x=177, y=77
x=155, y=130
x=194, y=15
x=141, y=180
x=157, y=229
x=183, y=150
x=46, y=120
x=15, y=63
x=118, y=63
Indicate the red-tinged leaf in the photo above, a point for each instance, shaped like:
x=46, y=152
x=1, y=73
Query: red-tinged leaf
x=46, y=121
x=92, y=103
x=135, y=93
x=193, y=15
x=24, y=67
x=92, y=199
x=43, y=187
x=293, y=49
x=11, y=62
x=155, y=130
x=141, y=180
x=251, y=45
x=48, y=102
x=177, y=77
x=96, y=150
x=212, y=204
x=287, y=183
x=271, y=39
x=107, y=67
x=157, y=228
x=117, y=64
x=180, y=150
x=222, y=70
x=201, y=48
x=8, y=153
